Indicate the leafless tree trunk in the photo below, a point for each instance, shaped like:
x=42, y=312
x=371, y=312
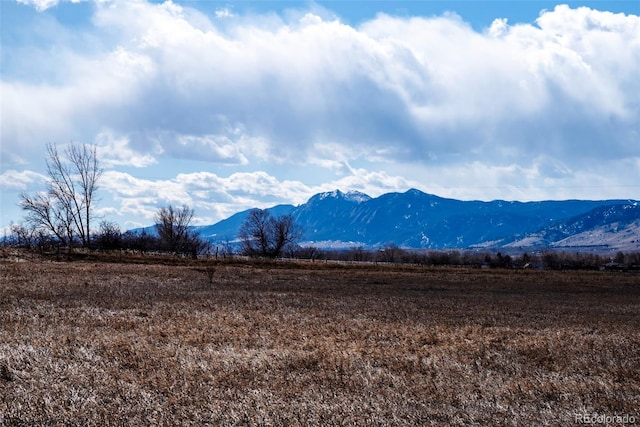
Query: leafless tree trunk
x=66, y=209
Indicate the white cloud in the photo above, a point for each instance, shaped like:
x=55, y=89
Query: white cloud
x=210, y=148
x=427, y=86
x=40, y=5
x=113, y=152
x=98, y=93
x=498, y=27
x=224, y=12
x=127, y=186
x=12, y=180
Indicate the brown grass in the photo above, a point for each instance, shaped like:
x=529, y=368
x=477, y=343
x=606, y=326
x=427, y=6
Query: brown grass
x=93, y=343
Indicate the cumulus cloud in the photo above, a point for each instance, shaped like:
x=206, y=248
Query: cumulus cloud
x=426, y=85
x=12, y=180
x=224, y=12
x=113, y=152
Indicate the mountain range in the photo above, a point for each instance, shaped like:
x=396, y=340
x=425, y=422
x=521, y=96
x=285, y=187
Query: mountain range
x=415, y=219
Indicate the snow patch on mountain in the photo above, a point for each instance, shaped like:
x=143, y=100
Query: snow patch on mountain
x=350, y=196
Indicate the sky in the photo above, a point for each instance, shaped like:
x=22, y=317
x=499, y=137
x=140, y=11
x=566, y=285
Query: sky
x=225, y=106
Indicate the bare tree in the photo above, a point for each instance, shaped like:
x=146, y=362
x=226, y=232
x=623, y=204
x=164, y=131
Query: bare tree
x=391, y=253
x=66, y=209
x=23, y=236
x=266, y=236
x=109, y=236
x=255, y=234
x=174, y=232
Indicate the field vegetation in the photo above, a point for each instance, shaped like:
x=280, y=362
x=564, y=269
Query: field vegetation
x=168, y=341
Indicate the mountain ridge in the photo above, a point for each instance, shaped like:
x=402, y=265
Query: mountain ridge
x=414, y=219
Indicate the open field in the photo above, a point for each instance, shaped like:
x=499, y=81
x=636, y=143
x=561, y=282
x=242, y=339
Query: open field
x=97, y=343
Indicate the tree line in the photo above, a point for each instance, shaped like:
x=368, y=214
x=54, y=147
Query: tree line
x=63, y=214
x=543, y=259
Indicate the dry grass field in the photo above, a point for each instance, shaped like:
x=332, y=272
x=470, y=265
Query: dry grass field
x=100, y=343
